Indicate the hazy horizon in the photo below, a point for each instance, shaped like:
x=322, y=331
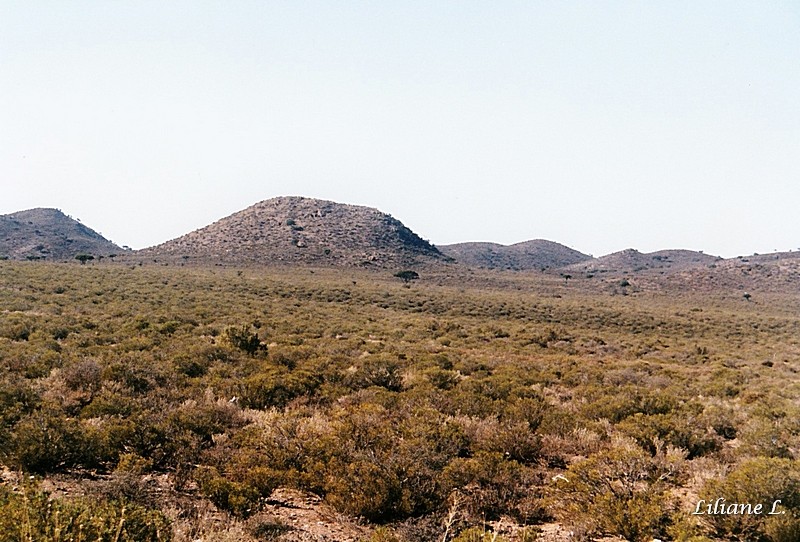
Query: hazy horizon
x=421, y=234
x=602, y=126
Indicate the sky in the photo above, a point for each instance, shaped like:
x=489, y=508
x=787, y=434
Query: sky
x=599, y=125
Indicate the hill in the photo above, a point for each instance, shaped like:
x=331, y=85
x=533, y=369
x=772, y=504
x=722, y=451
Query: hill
x=536, y=254
x=632, y=261
x=49, y=234
x=299, y=230
x=768, y=273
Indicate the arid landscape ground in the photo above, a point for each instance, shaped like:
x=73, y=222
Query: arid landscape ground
x=245, y=385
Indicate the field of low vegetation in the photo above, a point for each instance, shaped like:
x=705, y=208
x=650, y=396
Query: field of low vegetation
x=155, y=403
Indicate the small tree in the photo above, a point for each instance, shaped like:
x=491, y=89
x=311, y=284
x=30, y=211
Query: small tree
x=747, y=296
x=243, y=339
x=407, y=275
x=83, y=258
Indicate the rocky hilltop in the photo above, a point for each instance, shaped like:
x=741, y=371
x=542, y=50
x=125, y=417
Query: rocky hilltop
x=299, y=230
x=49, y=234
x=529, y=255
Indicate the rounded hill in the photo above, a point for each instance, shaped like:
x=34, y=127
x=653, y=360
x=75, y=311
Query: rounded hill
x=299, y=230
x=631, y=261
x=528, y=255
x=49, y=234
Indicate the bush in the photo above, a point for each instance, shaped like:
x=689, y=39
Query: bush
x=381, y=372
x=758, y=481
x=477, y=534
x=364, y=488
x=33, y=516
x=46, y=441
x=239, y=499
x=407, y=275
x=276, y=387
x=680, y=431
x=493, y=486
x=621, y=490
x=243, y=339
x=16, y=328
x=206, y=418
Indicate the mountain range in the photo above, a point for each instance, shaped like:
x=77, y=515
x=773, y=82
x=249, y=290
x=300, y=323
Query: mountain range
x=306, y=231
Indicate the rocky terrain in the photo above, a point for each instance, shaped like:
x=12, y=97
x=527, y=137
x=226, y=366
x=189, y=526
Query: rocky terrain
x=297, y=230
x=289, y=231
x=49, y=234
x=632, y=261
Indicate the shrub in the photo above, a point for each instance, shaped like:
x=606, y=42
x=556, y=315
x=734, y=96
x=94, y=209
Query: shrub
x=276, y=387
x=243, y=339
x=407, y=275
x=621, y=490
x=16, y=328
x=271, y=530
x=680, y=431
x=206, y=418
x=478, y=534
x=34, y=516
x=762, y=481
x=239, y=499
x=365, y=488
x=17, y=399
x=492, y=486
x=381, y=372
x=84, y=377
x=191, y=366
x=45, y=441
x=383, y=534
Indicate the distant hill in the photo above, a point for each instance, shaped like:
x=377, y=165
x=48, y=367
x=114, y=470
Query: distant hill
x=49, y=234
x=632, y=261
x=536, y=254
x=298, y=230
x=762, y=273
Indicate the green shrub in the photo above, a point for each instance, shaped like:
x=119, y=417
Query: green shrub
x=492, y=486
x=676, y=429
x=365, y=488
x=477, y=534
x=206, y=418
x=764, y=481
x=46, y=441
x=16, y=328
x=241, y=338
x=621, y=490
x=379, y=371
x=276, y=387
x=32, y=516
x=239, y=499
x=270, y=530
x=382, y=534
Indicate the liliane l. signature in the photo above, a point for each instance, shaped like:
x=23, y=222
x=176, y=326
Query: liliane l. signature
x=719, y=507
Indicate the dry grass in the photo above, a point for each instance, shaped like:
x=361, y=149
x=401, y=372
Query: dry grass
x=385, y=400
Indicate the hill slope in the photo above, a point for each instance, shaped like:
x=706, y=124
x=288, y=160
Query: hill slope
x=49, y=234
x=535, y=254
x=631, y=261
x=292, y=230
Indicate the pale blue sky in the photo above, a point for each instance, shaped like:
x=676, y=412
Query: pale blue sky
x=601, y=125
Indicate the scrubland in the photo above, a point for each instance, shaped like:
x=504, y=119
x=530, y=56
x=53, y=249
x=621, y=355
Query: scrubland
x=153, y=402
